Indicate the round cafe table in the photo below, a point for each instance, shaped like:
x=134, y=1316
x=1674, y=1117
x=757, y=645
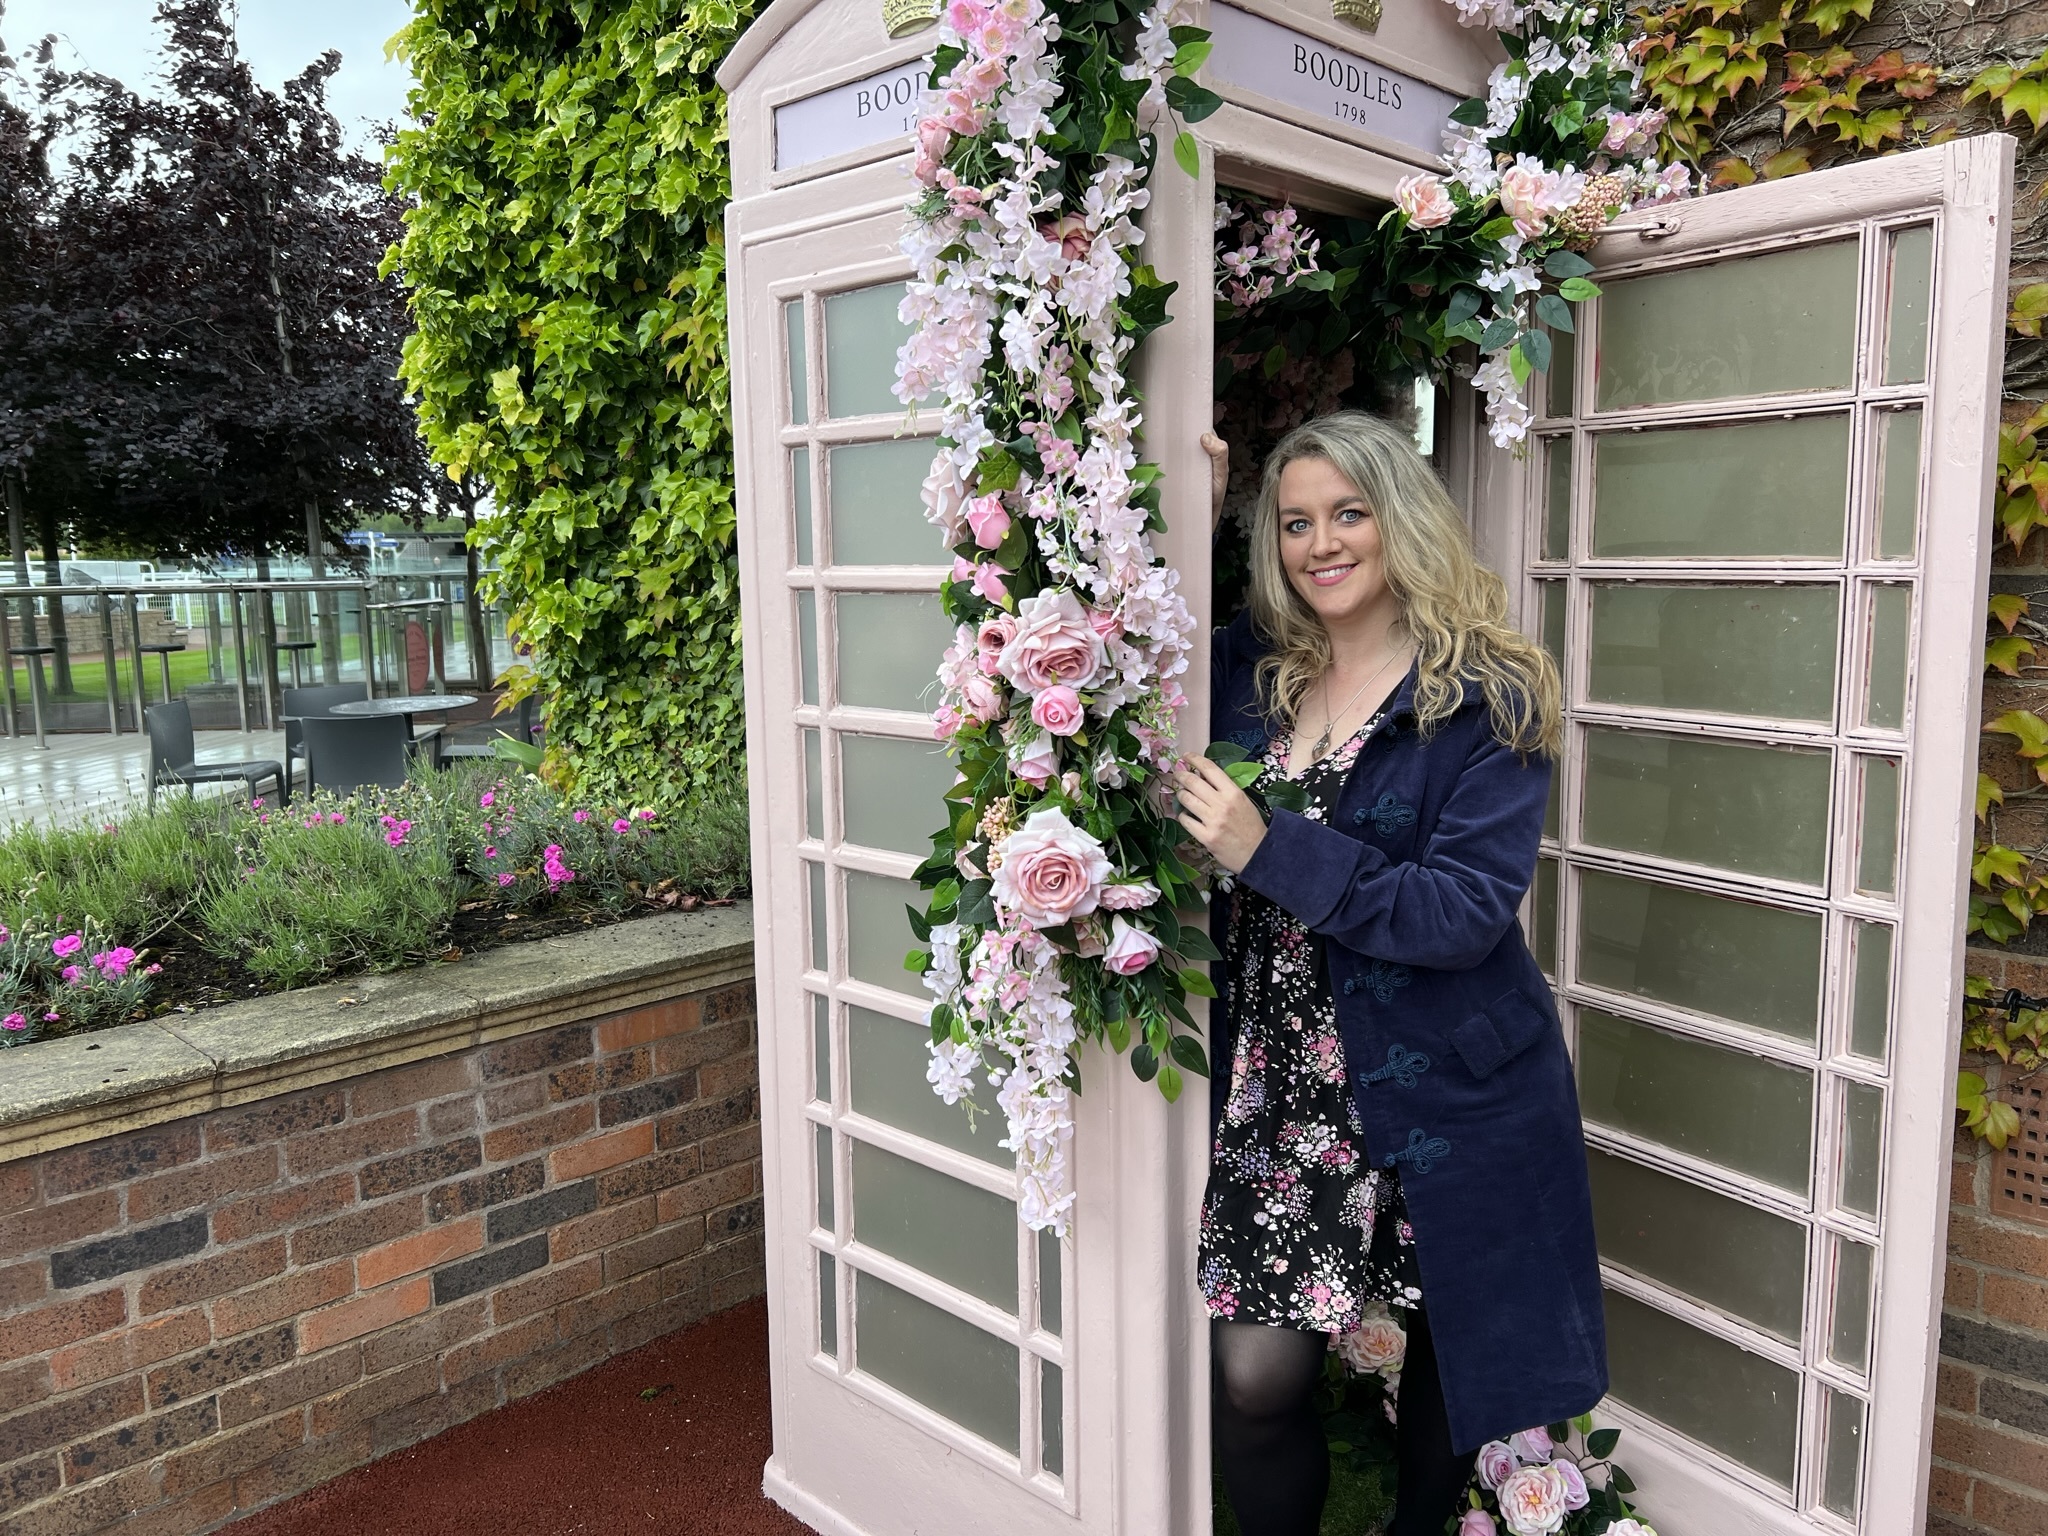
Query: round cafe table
x=408, y=705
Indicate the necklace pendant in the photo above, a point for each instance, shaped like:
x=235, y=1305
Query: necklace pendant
x=1322, y=745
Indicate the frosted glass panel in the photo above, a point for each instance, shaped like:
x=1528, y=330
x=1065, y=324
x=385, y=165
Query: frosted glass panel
x=1898, y=478
x=822, y=1138
x=814, y=877
x=821, y=1048
x=1843, y=1469
x=1739, y=650
x=814, y=785
x=807, y=643
x=889, y=648
x=1849, y=1334
x=1736, y=960
x=1862, y=1147
x=1049, y=1281
x=1744, y=1406
x=1728, y=1107
x=1557, y=498
x=885, y=1066
x=800, y=486
x=1051, y=1455
x=952, y=1231
x=892, y=792
x=1554, y=596
x=1732, y=1256
x=1564, y=351
x=1756, y=810
x=828, y=1306
x=1911, y=293
x=1758, y=488
x=862, y=334
x=875, y=492
x=799, y=370
x=1748, y=327
x=1877, y=854
x=950, y=1366
x=1543, y=942
x=878, y=932
x=1891, y=614
x=1870, y=1001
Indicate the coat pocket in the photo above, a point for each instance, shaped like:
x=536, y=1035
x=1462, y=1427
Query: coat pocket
x=1512, y=1023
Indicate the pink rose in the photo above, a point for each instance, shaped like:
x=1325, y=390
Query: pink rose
x=963, y=568
x=990, y=639
x=1477, y=1522
x=1130, y=949
x=944, y=499
x=1576, y=1494
x=1058, y=709
x=1054, y=643
x=1129, y=896
x=1629, y=1528
x=1088, y=936
x=1425, y=199
x=988, y=520
x=1532, y=1501
x=988, y=581
x=1035, y=761
x=1052, y=871
x=1529, y=194
x=1070, y=234
x=984, y=699
x=1105, y=623
x=1496, y=1461
x=1533, y=1446
x=945, y=721
x=1378, y=1343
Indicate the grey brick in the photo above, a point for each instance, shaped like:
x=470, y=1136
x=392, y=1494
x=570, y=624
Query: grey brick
x=486, y=1189
x=111, y=1256
x=647, y=1099
x=495, y=1267
x=1998, y=1349
x=510, y=1221
x=2014, y=1405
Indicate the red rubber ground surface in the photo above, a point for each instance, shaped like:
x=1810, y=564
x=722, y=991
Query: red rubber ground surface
x=589, y=1456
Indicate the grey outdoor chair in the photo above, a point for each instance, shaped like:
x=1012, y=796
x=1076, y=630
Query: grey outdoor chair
x=301, y=702
x=347, y=752
x=171, y=755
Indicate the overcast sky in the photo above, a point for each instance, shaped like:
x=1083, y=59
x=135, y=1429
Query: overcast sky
x=278, y=37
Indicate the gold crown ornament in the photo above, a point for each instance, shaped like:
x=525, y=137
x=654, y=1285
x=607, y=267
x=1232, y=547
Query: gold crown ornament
x=1362, y=14
x=903, y=17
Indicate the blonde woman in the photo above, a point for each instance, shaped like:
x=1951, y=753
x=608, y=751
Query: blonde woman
x=1395, y=1120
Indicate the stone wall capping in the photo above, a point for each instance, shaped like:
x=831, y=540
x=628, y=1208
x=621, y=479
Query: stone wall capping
x=86, y=1088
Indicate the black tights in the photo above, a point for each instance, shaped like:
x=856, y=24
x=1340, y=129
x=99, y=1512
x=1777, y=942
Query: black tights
x=1270, y=1444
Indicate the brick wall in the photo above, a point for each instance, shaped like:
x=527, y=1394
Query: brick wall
x=205, y=1316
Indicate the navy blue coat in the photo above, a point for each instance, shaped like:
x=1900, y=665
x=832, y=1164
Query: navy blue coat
x=1458, y=1065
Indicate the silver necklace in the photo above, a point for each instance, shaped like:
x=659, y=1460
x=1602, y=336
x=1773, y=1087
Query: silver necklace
x=1322, y=745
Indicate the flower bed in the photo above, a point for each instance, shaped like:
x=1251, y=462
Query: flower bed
x=205, y=901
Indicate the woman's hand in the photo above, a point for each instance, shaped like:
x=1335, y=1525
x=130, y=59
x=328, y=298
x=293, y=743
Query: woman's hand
x=1219, y=815
x=1219, y=476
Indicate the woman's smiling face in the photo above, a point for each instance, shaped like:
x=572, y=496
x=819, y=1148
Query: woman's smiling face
x=1329, y=542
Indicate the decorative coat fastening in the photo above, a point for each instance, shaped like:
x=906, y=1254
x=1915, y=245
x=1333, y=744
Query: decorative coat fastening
x=1403, y=1066
x=1387, y=816
x=1385, y=979
x=1422, y=1153
x=1251, y=741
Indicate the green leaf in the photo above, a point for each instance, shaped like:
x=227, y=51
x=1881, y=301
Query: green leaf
x=996, y=470
x=1197, y=945
x=1536, y=348
x=1285, y=795
x=1563, y=264
x=1224, y=753
x=1191, y=101
x=1275, y=360
x=1470, y=113
x=1988, y=795
x=1186, y=154
x=1620, y=1481
x=1169, y=1081
x=1191, y=56
x=1601, y=1443
x=1144, y=1062
x=2026, y=727
x=1553, y=312
x=1578, y=289
x=919, y=925
x=1198, y=982
x=1187, y=1050
x=1464, y=304
x=1498, y=334
x=1243, y=775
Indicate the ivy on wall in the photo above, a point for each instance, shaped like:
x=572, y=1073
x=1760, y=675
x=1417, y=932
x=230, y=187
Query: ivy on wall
x=567, y=279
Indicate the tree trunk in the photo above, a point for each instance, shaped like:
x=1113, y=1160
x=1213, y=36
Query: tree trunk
x=17, y=547
x=53, y=575
x=326, y=605
x=479, y=638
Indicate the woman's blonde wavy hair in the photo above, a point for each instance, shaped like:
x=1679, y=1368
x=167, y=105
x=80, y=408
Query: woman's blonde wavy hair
x=1453, y=609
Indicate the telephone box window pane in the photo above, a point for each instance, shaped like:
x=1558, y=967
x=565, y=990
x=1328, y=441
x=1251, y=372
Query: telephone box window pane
x=1735, y=960
x=821, y=1048
x=889, y=643
x=807, y=643
x=952, y=1231
x=1049, y=1281
x=877, y=500
x=1744, y=1112
x=799, y=370
x=1543, y=942
x=822, y=1138
x=891, y=792
x=814, y=785
x=1862, y=1147
x=1050, y=1392
x=1553, y=802
x=878, y=932
x=1840, y=1487
x=828, y=1306
x=800, y=487
x=1891, y=623
x=1734, y=1257
x=949, y=1365
x=1870, y=1002
x=1849, y=1333
x=1754, y=489
x=1736, y=650
x=1723, y=1396
x=814, y=876
x=1756, y=810
x=1754, y=326
x=885, y=1066
x=1553, y=595
x=1564, y=351
x=1877, y=856
x=1898, y=478
x=1557, y=502
x=862, y=334
x=1911, y=288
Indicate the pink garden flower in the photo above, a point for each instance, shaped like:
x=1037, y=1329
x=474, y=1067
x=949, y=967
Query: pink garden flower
x=1533, y=1446
x=335, y=818
x=621, y=825
x=1057, y=709
x=487, y=800
x=989, y=638
x=1496, y=1461
x=1425, y=199
x=1477, y=1522
x=503, y=881
x=580, y=817
x=394, y=830
x=1378, y=1343
x=1530, y=194
x=14, y=1022
x=1130, y=949
x=1532, y=1501
x=988, y=520
x=113, y=963
x=1052, y=871
x=983, y=698
x=52, y=1017
x=551, y=865
x=72, y=974
x=1576, y=1494
x=1128, y=895
x=69, y=945
x=490, y=852
x=1054, y=643
x=1034, y=764
x=988, y=582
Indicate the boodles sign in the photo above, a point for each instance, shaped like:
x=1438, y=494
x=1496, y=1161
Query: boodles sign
x=853, y=116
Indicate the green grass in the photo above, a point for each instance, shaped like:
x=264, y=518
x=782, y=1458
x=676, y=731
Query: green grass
x=188, y=669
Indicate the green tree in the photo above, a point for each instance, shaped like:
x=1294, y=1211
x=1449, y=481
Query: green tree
x=566, y=270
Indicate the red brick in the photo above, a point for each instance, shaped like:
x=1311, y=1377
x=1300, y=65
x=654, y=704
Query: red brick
x=202, y=1184
x=1973, y=1444
x=737, y=1146
x=681, y=1052
x=352, y=1142
x=741, y=1285
x=716, y=1078
x=1997, y=1246
x=23, y=1383
x=17, y=1184
x=275, y=1120
x=624, y=1031
x=494, y=1349
x=88, y=1508
x=231, y=1452
x=295, y=1206
x=365, y=1314
x=602, y=1308
x=729, y=1002
x=302, y=1467
x=548, y=1288
x=693, y=1123
x=80, y=1365
x=193, y=1376
x=439, y=1331
x=207, y=1278
x=557, y=1363
x=299, y=1382
x=663, y=1246
x=450, y=1116
x=65, y=1322
x=22, y=1285
x=200, y=1511
x=1962, y=1186
x=1961, y=1286
x=299, y=1291
x=1948, y=1489
x=601, y=1152
x=375, y=1395
x=708, y=1193
x=44, y=1227
x=422, y=1165
x=2009, y=1511
x=534, y=1053
x=409, y=1255
x=65, y=1419
x=359, y=1230
x=144, y=1440
x=647, y=1176
x=2019, y=1301
x=1955, y=1386
x=415, y=1421
x=385, y=1091
x=119, y=1160
x=27, y=1481
x=600, y=1229
x=540, y=1132
x=509, y=1101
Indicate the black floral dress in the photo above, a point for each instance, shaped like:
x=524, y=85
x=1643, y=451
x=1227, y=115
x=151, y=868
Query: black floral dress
x=1297, y=1231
